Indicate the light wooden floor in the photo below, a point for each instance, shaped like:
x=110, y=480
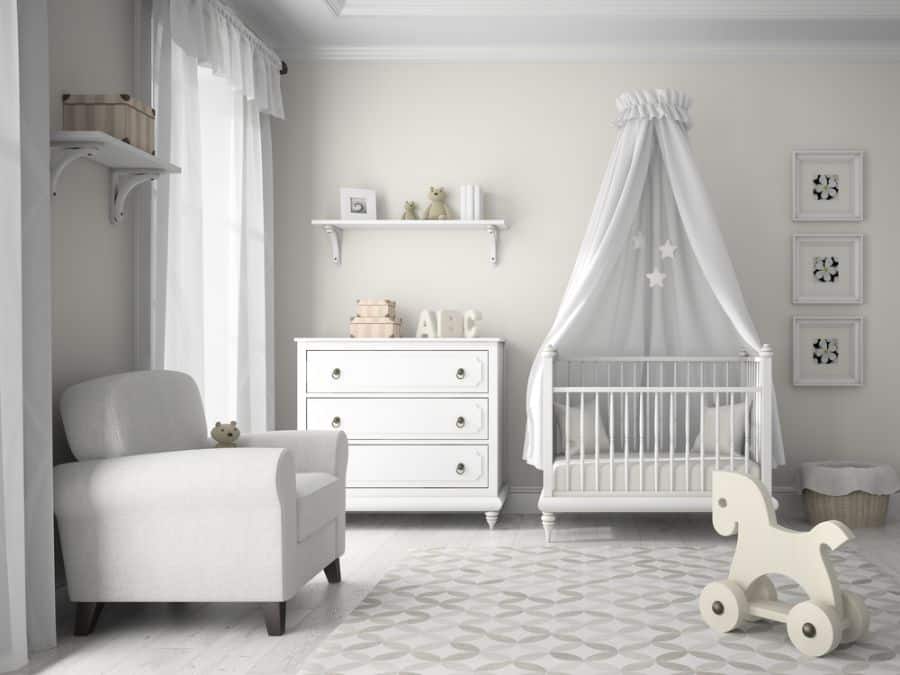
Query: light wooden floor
x=231, y=638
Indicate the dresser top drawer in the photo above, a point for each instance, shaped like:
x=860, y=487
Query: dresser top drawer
x=397, y=371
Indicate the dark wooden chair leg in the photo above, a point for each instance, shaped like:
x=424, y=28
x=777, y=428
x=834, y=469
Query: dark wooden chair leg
x=274, y=613
x=333, y=571
x=86, y=615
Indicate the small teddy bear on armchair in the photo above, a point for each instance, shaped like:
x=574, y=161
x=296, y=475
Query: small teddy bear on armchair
x=225, y=435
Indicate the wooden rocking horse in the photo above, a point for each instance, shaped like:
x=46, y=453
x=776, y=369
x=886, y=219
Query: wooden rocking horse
x=816, y=626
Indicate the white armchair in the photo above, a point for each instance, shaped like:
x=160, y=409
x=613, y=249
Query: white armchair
x=152, y=513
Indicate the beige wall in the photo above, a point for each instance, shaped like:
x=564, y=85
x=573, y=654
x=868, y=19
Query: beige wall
x=538, y=139
x=90, y=53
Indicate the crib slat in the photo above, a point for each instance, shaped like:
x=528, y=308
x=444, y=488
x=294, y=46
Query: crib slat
x=581, y=441
x=746, y=434
x=656, y=440
x=567, y=441
x=718, y=449
x=672, y=429
x=641, y=441
x=687, y=433
x=612, y=442
x=627, y=440
x=597, y=441
x=731, y=415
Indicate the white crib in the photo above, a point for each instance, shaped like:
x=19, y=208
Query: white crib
x=628, y=434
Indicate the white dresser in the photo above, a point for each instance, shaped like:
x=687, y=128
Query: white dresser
x=423, y=417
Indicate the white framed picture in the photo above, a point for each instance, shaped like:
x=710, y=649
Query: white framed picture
x=828, y=185
x=828, y=269
x=358, y=204
x=828, y=351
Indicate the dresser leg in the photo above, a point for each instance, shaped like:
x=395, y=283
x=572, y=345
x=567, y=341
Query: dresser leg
x=491, y=517
x=548, y=520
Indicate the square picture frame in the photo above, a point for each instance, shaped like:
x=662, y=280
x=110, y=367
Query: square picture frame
x=827, y=269
x=828, y=185
x=828, y=351
x=358, y=204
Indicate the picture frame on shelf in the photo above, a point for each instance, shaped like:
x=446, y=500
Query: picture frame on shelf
x=358, y=204
x=828, y=351
x=828, y=185
x=827, y=269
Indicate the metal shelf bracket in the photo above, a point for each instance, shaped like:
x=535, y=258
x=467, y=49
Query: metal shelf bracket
x=123, y=181
x=65, y=156
x=335, y=235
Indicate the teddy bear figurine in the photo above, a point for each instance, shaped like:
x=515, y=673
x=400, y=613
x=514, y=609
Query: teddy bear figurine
x=437, y=210
x=225, y=435
x=409, y=211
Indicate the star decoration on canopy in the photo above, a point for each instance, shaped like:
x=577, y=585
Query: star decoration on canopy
x=667, y=250
x=637, y=241
x=655, y=278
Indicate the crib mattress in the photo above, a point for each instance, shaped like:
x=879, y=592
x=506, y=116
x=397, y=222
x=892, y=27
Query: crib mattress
x=677, y=475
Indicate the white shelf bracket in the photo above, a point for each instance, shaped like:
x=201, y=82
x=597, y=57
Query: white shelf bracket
x=64, y=156
x=123, y=181
x=494, y=234
x=334, y=236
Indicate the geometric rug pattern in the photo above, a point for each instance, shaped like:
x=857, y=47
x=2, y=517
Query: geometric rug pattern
x=557, y=609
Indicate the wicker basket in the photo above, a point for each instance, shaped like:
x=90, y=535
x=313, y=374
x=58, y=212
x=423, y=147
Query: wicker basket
x=857, y=509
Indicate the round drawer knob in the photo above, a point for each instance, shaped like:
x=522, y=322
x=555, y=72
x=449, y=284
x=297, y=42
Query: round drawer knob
x=460, y=468
x=460, y=373
x=336, y=423
x=336, y=374
x=460, y=422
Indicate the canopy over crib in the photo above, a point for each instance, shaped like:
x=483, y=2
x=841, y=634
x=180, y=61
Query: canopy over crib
x=653, y=276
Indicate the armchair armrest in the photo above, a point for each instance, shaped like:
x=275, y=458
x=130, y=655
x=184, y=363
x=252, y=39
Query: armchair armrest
x=313, y=451
x=179, y=526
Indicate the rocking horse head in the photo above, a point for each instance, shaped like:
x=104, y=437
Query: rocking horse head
x=738, y=498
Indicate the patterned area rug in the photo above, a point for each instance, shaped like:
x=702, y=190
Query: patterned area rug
x=556, y=609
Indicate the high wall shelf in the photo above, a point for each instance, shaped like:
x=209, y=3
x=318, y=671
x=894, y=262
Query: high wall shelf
x=335, y=230
x=128, y=166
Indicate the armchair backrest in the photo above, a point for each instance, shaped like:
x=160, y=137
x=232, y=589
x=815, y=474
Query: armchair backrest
x=133, y=413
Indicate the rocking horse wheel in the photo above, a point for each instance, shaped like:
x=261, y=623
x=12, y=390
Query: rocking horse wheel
x=723, y=605
x=813, y=629
x=857, y=617
x=761, y=590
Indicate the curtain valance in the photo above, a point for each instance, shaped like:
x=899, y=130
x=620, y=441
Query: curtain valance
x=657, y=104
x=210, y=32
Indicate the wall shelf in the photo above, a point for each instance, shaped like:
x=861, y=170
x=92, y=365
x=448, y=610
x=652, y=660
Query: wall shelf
x=128, y=166
x=335, y=230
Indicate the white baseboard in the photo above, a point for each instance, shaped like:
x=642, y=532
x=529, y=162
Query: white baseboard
x=523, y=499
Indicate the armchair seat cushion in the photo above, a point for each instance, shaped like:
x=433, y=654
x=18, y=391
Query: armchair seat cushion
x=320, y=499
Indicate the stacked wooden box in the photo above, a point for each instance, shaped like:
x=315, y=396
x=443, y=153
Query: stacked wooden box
x=375, y=319
x=120, y=115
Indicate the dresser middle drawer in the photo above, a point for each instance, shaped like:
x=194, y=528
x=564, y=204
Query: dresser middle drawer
x=401, y=418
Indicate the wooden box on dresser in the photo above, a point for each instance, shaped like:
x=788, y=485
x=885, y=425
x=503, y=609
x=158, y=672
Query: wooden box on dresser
x=423, y=417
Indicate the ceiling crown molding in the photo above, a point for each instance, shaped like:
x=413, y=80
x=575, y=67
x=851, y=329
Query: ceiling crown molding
x=760, y=10
x=730, y=52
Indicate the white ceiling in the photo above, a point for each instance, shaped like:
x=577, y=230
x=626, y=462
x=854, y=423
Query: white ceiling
x=578, y=30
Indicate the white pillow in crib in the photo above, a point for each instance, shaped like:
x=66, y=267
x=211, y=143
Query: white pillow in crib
x=559, y=428
x=709, y=430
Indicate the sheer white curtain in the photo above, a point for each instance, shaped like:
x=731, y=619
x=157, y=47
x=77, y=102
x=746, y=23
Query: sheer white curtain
x=27, y=593
x=652, y=195
x=215, y=87
x=13, y=631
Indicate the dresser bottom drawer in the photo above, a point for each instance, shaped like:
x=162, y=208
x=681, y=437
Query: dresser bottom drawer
x=404, y=466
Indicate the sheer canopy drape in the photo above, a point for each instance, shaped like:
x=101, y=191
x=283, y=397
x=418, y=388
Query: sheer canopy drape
x=215, y=87
x=653, y=276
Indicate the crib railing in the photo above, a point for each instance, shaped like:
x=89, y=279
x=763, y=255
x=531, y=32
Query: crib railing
x=615, y=415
